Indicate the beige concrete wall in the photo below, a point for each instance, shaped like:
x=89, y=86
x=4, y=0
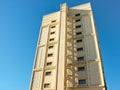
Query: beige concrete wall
x=90, y=88
x=38, y=77
x=93, y=72
x=39, y=61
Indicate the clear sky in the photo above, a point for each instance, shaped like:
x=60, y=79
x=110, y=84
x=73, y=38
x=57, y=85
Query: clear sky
x=20, y=21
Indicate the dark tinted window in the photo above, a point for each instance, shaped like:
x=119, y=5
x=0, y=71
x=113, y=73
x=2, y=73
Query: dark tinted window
x=52, y=26
x=53, y=21
x=78, y=41
x=49, y=55
x=78, y=14
x=52, y=32
x=79, y=26
x=80, y=58
x=51, y=39
x=49, y=63
x=50, y=47
x=47, y=85
x=78, y=33
x=81, y=68
x=79, y=49
x=48, y=73
x=77, y=20
x=83, y=81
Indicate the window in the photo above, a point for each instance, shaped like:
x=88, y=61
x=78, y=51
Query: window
x=82, y=81
x=78, y=41
x=46, y=85
x=48, y=73
x=78, y=33
x=51, y=39
x=78, y=14
x=80, y=58
x=53, y=21
x=50, y=47
x=79, y=26
x=49, y=63
x=81, y=68
x=52, y=26
x=80, y=49
x=49, y=55
x=52, y=32
x=77, y=20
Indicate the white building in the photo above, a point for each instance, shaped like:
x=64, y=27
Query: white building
x=67, y=55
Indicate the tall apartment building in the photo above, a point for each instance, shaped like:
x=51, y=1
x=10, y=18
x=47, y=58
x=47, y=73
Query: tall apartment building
x=67, y=55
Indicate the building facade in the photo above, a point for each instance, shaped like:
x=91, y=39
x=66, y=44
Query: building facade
x=67, y=54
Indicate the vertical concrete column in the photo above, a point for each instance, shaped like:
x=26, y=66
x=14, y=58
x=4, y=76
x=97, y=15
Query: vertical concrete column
x=62, y=47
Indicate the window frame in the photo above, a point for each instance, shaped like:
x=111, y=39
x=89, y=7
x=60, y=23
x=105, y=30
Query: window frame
x=78, y=26
x=80, y=58
x=48, y=73
x=80, y=49
x=78, y=33
x=50, y=47
x=53, y=26
x=52, y=32
x=79, y=41
x=47, y=85
x=50, y=55
x=48, y=63
x=77, y=14
x=77, y=20
x=81, y=68
x=53, y=21
x=51, y=39
x=82, y=81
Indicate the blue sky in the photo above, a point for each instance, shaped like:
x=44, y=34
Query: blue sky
x=20, y=21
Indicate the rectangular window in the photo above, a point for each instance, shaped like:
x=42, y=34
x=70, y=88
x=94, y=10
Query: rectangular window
x=78, y=14
x=50, y=47
x=46, y=85
x=82, y=81
x=79, y=26
x=53, y=21
x=78, y=41
x=52, y=33
x=49, y=63
x=48, y=73
x=78, y=33
x=80, y=49
x=52, y=26
x=50, y=55
x=52, y=39
x=81, y=68
x=78, y=20
x=80, y=58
